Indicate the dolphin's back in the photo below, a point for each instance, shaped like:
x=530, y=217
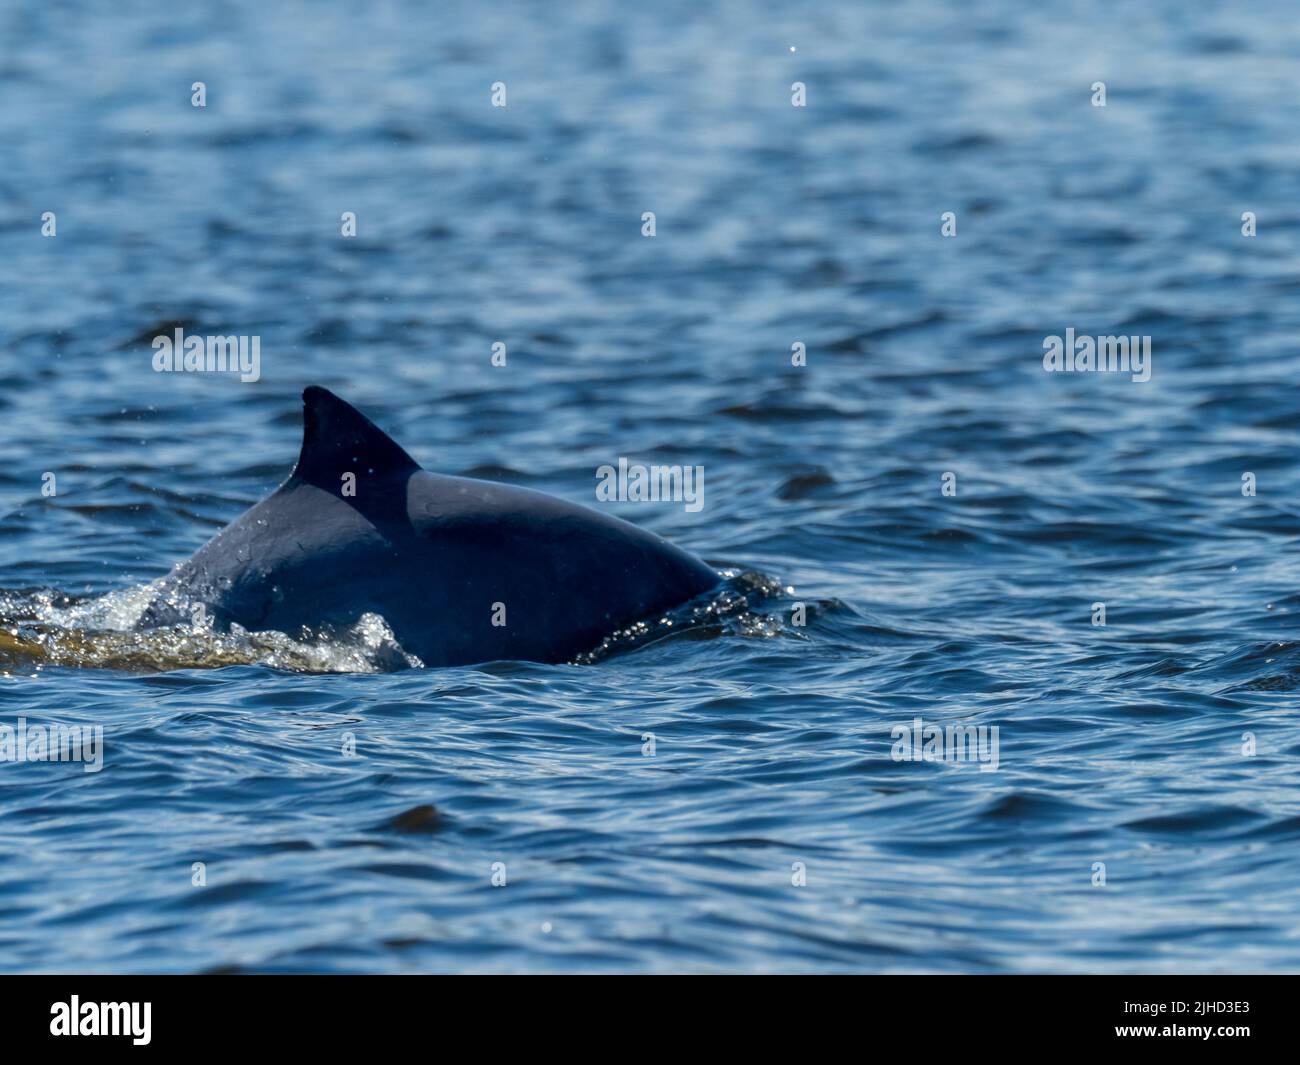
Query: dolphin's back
x=566, y=575
x=462, y=570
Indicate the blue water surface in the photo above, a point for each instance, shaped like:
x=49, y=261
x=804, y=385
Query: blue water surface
x=1128, y=825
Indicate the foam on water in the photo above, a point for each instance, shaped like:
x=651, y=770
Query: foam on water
x=44, y=628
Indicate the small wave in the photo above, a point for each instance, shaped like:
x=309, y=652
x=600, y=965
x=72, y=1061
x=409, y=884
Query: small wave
x=45, y=628
x=727, y=611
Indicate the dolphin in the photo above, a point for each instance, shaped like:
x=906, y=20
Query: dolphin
x=462, y=570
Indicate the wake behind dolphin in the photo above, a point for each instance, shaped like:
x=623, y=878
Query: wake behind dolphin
x=462, y=570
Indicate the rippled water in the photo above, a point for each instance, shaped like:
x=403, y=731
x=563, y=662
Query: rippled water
x=1121, y=744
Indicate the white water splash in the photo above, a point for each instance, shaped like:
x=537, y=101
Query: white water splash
x=46, y=628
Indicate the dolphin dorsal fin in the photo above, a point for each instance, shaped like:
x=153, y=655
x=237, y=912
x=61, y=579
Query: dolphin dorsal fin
x=337, y=439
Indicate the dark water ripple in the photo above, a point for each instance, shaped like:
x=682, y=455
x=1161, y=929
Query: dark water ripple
x=1121, y=745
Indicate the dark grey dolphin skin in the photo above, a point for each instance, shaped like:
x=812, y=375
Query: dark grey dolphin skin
x=431, y=554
